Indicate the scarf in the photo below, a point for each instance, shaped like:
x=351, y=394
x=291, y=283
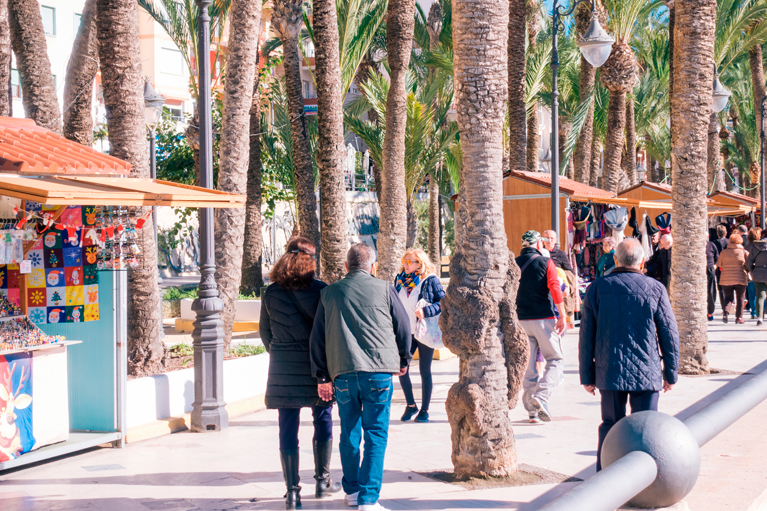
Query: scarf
x=407, y=280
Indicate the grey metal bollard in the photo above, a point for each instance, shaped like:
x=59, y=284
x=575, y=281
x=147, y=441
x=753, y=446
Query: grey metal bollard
x=672, y=446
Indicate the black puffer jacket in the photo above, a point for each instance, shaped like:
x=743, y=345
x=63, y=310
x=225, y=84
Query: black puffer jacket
x=285, y=335
x=627, y=317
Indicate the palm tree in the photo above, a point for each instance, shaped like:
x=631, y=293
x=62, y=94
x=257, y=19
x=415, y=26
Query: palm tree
x=619, y=75
x=330, y=152
x=393, y=199
x=694, y=34
x=31, y=50
x=234, y=151
x=517, y=83
x=287, y=17
x=118, y=37
x=533, y=123
x=6, y=100
x=478, y=313
x=252, y=278
x=81, y=73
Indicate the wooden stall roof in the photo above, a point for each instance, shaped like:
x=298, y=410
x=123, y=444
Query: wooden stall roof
x=714, y=209
x=566, y=186
x=27, y=148
x=731, y=198
x=114, y=191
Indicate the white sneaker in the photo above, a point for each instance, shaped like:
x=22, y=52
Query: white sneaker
x=351, y=499
x=372, y=507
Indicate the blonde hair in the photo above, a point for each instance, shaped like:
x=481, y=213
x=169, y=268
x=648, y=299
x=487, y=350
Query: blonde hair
x=736, y=238
x=427, y=268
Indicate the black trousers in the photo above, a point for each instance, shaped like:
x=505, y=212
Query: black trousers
x=290, y=418
x=711, y=288
x=736, y=294
x=614, y=409
x=425, y=355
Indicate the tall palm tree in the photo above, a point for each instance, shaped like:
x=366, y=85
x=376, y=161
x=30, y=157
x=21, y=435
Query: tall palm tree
x=619, y=76
x=434, y=26
x=517, y=84
x=252, y=278
x=478, y=313
x=331, y=154
x=629, y=156
x=393, y=199
x=287, y=17
x=533, y=123
x=31, y=50
x=81, y=73
x=234, y=151
x=6, y=100
x=118, y=37
x=694, y=34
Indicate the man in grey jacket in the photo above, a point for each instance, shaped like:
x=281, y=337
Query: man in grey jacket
x=360, y=338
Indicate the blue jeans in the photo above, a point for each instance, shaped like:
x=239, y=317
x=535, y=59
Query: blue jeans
x=751, y=295
x=364, y=402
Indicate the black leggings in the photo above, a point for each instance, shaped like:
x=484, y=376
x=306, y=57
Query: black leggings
x=734, y=293
x=290, y=419
x=425, y=355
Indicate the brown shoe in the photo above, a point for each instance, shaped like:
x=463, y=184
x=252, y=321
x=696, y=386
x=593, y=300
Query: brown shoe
x=740, y=321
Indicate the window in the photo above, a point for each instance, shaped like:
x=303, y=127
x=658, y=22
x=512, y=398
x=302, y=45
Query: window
x=78, y=21
x=306, y=88
x=171, y=61
x=49, y=19
x=176, y=112
x=15, y=83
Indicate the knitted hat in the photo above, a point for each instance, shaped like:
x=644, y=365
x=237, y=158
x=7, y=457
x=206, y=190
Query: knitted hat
x=530, y=238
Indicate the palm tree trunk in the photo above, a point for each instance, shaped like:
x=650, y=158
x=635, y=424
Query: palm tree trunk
x=6, y=100
x=671, y=36
x=234, y=153
x=630, y=160
x=288, y=20
x=582, y=156
x=393, y=225
x=651, y=174
x=691, y=108
x=31, y=50
x=434, y=25
x=712, y=152
x=757, y=80
x=565, y=128
x=81, y=73
x=533, y=140
x=478, y=313
x=252, y=278
x=754, y=171
x=331, y=154
x=122, y=85
x=517, y=85
x=616, y=121
x=596, y=160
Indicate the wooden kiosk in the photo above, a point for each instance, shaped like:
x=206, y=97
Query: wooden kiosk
x=75, y=389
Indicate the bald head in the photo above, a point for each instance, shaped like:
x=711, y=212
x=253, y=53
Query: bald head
x=549, y=239
x=629, y=253
x=666, y=241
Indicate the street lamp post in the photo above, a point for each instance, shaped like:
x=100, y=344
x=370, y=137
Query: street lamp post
x=595, y=46
x=208, y=412
x=153, y=106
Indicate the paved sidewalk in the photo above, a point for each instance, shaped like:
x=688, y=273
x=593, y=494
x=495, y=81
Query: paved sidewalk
x=226, y=470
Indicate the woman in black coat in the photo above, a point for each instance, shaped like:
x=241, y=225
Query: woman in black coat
x=287, y=315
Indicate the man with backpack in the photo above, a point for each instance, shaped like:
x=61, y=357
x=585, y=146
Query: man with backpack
x=541, y=313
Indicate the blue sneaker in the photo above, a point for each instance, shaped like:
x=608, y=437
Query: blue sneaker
x=541, y=408
x=410, y=411
x=423, y=416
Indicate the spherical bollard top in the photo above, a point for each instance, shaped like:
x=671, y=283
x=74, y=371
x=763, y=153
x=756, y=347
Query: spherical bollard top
x=671, y=445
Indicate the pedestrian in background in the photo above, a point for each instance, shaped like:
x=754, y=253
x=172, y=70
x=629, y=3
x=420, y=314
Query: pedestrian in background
x=541, y=313
x=721, y=242
x=606, y=262
x=734, y=277
x=754, y=235
x=287, y=315
x=418, y=281
x=711, y=257
x=361, y=337
x=756, y=264
x=629, y=342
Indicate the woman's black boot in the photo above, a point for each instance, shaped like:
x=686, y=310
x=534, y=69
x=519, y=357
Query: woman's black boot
x=289, y=458
x=325, y=486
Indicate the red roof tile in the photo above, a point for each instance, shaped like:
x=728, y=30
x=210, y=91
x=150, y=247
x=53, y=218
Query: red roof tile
x=26, y=148
x=567, y=186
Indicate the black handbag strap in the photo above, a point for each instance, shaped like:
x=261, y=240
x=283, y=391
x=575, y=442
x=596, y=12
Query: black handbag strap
x=524, y=266
x=308, y=320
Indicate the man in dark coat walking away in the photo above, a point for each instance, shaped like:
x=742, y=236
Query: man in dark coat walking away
x=627, y=328
x=361, y=336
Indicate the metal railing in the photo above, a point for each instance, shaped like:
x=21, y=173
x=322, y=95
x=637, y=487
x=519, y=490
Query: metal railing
x=633, y=473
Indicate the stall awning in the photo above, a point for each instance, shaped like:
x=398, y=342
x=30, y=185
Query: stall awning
x=114, y=191
x=714, y=209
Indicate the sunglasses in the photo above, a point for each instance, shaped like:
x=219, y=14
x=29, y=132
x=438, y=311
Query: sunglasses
x=314, y=257
x=411, y=261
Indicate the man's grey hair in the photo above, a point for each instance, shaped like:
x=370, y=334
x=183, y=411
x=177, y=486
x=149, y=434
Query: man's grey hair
x=360, y=256
x=629, y=252
x=609, y=240
x=743, y=229
x=667, y=237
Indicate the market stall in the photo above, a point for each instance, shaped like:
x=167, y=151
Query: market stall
x=747, y=209
x=69, y=234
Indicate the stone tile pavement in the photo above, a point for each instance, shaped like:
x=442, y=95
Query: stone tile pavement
x=240, y=468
